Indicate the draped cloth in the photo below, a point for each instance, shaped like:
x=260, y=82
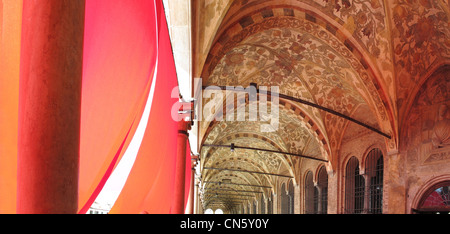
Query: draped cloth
x=150, y=184
x=118, y=65
x=127, y=54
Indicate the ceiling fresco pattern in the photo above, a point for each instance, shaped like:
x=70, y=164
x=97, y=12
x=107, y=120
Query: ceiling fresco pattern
x=421, y=35
x=366, y=59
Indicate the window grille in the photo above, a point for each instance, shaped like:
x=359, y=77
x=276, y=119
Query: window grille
x=309, y=193
x=436, y=200
x=354, y=188
x=291, y=197
x=322, y=183
x=262, y=205
x=374, y=172
x=316, y=200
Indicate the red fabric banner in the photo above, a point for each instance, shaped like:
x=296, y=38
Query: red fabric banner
x=119, y=62
x=118, y=65
x=149, y=187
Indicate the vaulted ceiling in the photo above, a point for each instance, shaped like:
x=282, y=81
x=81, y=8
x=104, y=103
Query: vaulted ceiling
x=365, y=59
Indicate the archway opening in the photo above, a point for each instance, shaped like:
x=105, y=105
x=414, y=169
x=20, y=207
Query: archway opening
x=436, y=200
x=209, y=211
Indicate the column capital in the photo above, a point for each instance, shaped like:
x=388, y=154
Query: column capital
x=393, y=152
x=194, y=161
x=184, y=127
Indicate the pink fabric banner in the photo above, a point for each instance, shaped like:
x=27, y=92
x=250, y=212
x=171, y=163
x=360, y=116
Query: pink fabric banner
x=149, y=187
x=118, y=65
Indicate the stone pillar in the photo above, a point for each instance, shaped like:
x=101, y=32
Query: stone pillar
x=366, y=192
x=195, y=205
x=180, y=168
x=395, y=186
x=197, y=202
x=200, y=208
x=190, y=204
x=301, y=197
x=275, y=204
x=334, y=189
x=50, y=106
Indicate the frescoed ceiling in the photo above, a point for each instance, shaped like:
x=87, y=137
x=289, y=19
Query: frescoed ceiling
x=365, y=59
x=421, y=44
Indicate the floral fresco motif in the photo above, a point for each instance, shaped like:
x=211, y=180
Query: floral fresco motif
x=301, y=140
x=281, y=49
x=421, y=29
x=302, y=65
x=263, y=160
x=365, y=19
x=421, y=35
x=299, y=63
x=382, y=62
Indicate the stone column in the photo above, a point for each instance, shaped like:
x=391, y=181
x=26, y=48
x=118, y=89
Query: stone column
x=190, y=204
x=197, y=202
x=395, y=186
x=334, y=189
x=180, y=168
x=50, y=106
x=297, y=199
x=266, y=205
x=366, y=192
x=275, y=204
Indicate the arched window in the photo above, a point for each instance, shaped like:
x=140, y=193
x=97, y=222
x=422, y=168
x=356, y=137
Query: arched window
x=209, y=211
x=436, y=200
x=284, y=200
x=374, y=172
x=322, y=183
x=262, y=207
x=316, y=200
x=309, y=193
x=291, y=197
x=354, y=188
